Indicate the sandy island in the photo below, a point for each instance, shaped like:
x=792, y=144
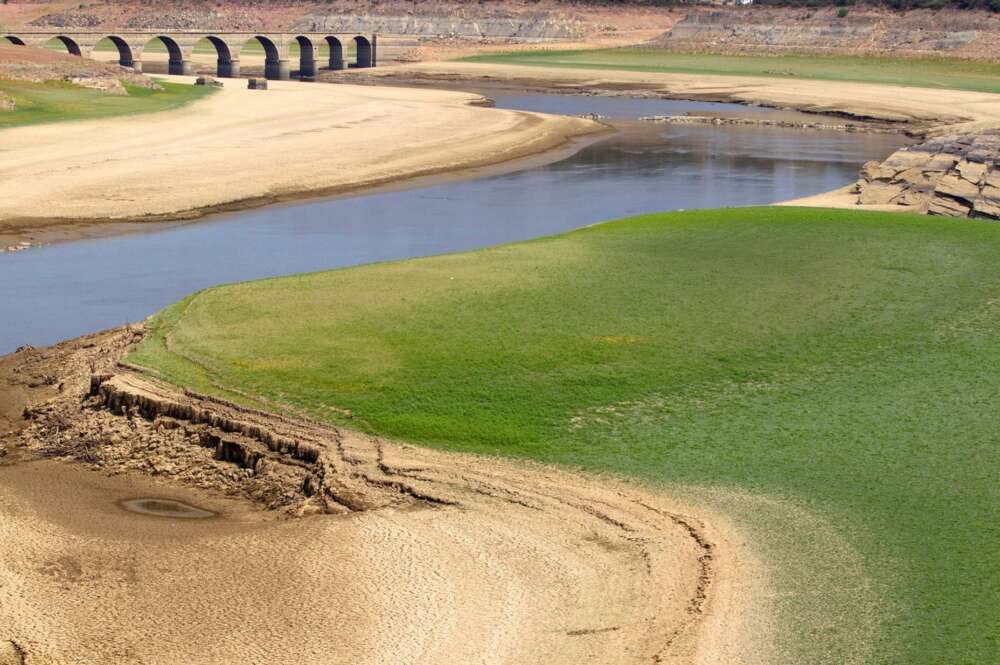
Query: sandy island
x=241, y=148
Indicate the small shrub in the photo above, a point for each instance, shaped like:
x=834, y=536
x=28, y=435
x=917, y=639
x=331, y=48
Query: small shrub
x=842, y=12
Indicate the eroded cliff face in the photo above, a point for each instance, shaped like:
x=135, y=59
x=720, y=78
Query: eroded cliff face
x=957, y=176
x=973, y=34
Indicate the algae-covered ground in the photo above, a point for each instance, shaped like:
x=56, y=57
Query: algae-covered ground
x=946, y=73
x=847, y=361
x=56, y=101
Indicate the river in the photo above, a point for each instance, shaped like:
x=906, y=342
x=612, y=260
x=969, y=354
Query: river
x=64, y=290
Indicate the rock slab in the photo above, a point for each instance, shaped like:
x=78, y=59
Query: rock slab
x=957, y=176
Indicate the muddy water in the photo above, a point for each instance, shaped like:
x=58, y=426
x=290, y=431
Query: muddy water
x=61, y=291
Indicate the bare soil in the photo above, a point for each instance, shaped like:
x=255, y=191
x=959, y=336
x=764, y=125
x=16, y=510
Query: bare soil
x=330, y=546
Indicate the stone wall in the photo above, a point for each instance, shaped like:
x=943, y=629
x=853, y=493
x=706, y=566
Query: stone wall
x=958, y=176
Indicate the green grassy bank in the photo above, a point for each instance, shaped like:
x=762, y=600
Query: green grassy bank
x=925, y=72
x=850, y=361
x=57, y=101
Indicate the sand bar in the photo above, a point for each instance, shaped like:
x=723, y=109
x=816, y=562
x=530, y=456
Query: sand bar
x=254, y=147
x=932, y=109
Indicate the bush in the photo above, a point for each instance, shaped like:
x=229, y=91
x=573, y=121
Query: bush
x=842, y=12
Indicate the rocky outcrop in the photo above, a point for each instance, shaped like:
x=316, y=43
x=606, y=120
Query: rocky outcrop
x=68, y=19
x=6, y=102
x=520, y=28
x=958, y=176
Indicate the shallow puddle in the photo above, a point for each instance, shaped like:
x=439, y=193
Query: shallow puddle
x=165, y=508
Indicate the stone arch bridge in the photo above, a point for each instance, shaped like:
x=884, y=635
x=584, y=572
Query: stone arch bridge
x=228, y=46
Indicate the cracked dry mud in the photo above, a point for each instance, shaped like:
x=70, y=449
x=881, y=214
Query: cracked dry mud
x=329, y=546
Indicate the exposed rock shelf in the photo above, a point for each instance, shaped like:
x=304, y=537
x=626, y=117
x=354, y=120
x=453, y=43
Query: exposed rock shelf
x=957, y=175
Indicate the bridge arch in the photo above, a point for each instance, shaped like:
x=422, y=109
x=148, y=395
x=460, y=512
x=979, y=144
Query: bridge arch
x=364, y=52
x=336, y=52
x=175, y=56
x=69, y=43
x=274, y=66
x=15, y=40
x=307, y=56
x=125, y=55
x=227, y=66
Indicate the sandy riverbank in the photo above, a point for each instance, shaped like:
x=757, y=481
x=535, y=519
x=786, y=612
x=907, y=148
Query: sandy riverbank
x=241, y=148
x=409, y=555
x=922, y=109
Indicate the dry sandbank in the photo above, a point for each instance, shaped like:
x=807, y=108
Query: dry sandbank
x=931, y=110
x=240, y=148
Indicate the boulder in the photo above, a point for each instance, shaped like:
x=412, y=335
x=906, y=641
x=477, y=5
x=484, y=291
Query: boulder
x=947, y=206
x=984, y=208
x=992, y=178
x=957, y=187
x=972, y=171
x=909, y=157
x=941, y=162
x=918, y=179
x=877, y=171
x=879, y=193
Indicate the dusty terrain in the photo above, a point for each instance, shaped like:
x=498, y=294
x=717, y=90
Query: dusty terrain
x=239, y=148
x=399, y=555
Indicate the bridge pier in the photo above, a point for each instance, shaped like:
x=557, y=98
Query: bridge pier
x=307, y=62
x=278, y=70
x=230, y=69
x=136, y=66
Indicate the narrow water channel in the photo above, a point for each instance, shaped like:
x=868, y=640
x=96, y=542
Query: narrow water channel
x=65, y=290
